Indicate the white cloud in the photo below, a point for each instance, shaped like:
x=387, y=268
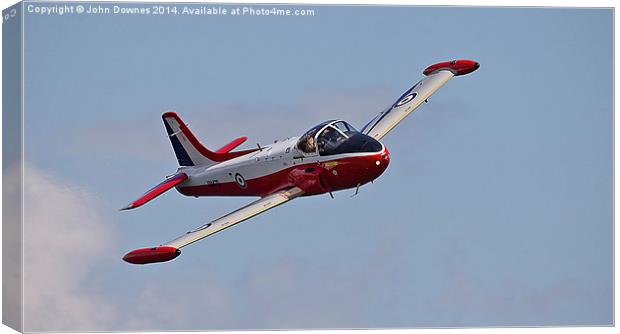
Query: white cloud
x=65, y=238
x=69, y=244
x=11, y=247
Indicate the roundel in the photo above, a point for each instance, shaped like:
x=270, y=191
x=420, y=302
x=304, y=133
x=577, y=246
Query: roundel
x=240, y=180
x=406, y=99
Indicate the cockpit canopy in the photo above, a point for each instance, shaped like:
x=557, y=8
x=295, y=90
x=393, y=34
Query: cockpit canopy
x=336, y=137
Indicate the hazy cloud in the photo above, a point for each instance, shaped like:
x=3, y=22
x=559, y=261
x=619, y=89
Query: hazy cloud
x=65, y=238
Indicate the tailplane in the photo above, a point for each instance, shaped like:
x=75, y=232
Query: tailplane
x=189, y=151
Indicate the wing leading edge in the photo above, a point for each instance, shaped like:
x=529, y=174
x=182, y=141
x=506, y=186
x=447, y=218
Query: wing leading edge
x=170, y=250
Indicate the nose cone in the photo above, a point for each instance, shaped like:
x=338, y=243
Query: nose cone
x=379, y=163
x=384, y=161
x=386, y=156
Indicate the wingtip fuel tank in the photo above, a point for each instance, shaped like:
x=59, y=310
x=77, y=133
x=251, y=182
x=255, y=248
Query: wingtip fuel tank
x=152, y=255
x=458, y=67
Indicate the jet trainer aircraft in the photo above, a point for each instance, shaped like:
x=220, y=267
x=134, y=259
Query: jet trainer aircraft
x=329, y=157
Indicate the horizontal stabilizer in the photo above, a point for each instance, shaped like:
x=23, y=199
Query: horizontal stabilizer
x=159, y=189
x=232, y=145
x=188, y=149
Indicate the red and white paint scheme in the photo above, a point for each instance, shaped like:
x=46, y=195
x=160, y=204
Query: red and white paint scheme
x=329, y=157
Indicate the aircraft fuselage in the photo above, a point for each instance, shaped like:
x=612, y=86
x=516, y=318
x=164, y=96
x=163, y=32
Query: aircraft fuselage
x=283, y=165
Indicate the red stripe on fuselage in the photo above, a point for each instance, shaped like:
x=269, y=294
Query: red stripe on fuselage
x=314, y=178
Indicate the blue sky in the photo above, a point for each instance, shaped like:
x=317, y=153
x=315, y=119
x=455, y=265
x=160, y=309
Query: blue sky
x=496, y=209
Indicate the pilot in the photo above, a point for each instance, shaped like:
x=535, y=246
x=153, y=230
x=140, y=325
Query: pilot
x=330, y=135
x=310, y=145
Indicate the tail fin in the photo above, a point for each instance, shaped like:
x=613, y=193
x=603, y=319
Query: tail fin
x=187, y=148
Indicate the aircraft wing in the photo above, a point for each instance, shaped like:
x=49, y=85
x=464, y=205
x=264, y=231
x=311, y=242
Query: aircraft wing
x=436, y=76
x=170, y=250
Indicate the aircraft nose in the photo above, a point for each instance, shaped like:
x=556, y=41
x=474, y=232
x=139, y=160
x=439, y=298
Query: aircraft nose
x=381, y=163
x=385, y=159
x=386, y=156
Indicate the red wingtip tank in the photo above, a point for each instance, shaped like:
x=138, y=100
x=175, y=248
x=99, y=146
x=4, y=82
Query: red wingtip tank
x=152, y=255
x=458, y=67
